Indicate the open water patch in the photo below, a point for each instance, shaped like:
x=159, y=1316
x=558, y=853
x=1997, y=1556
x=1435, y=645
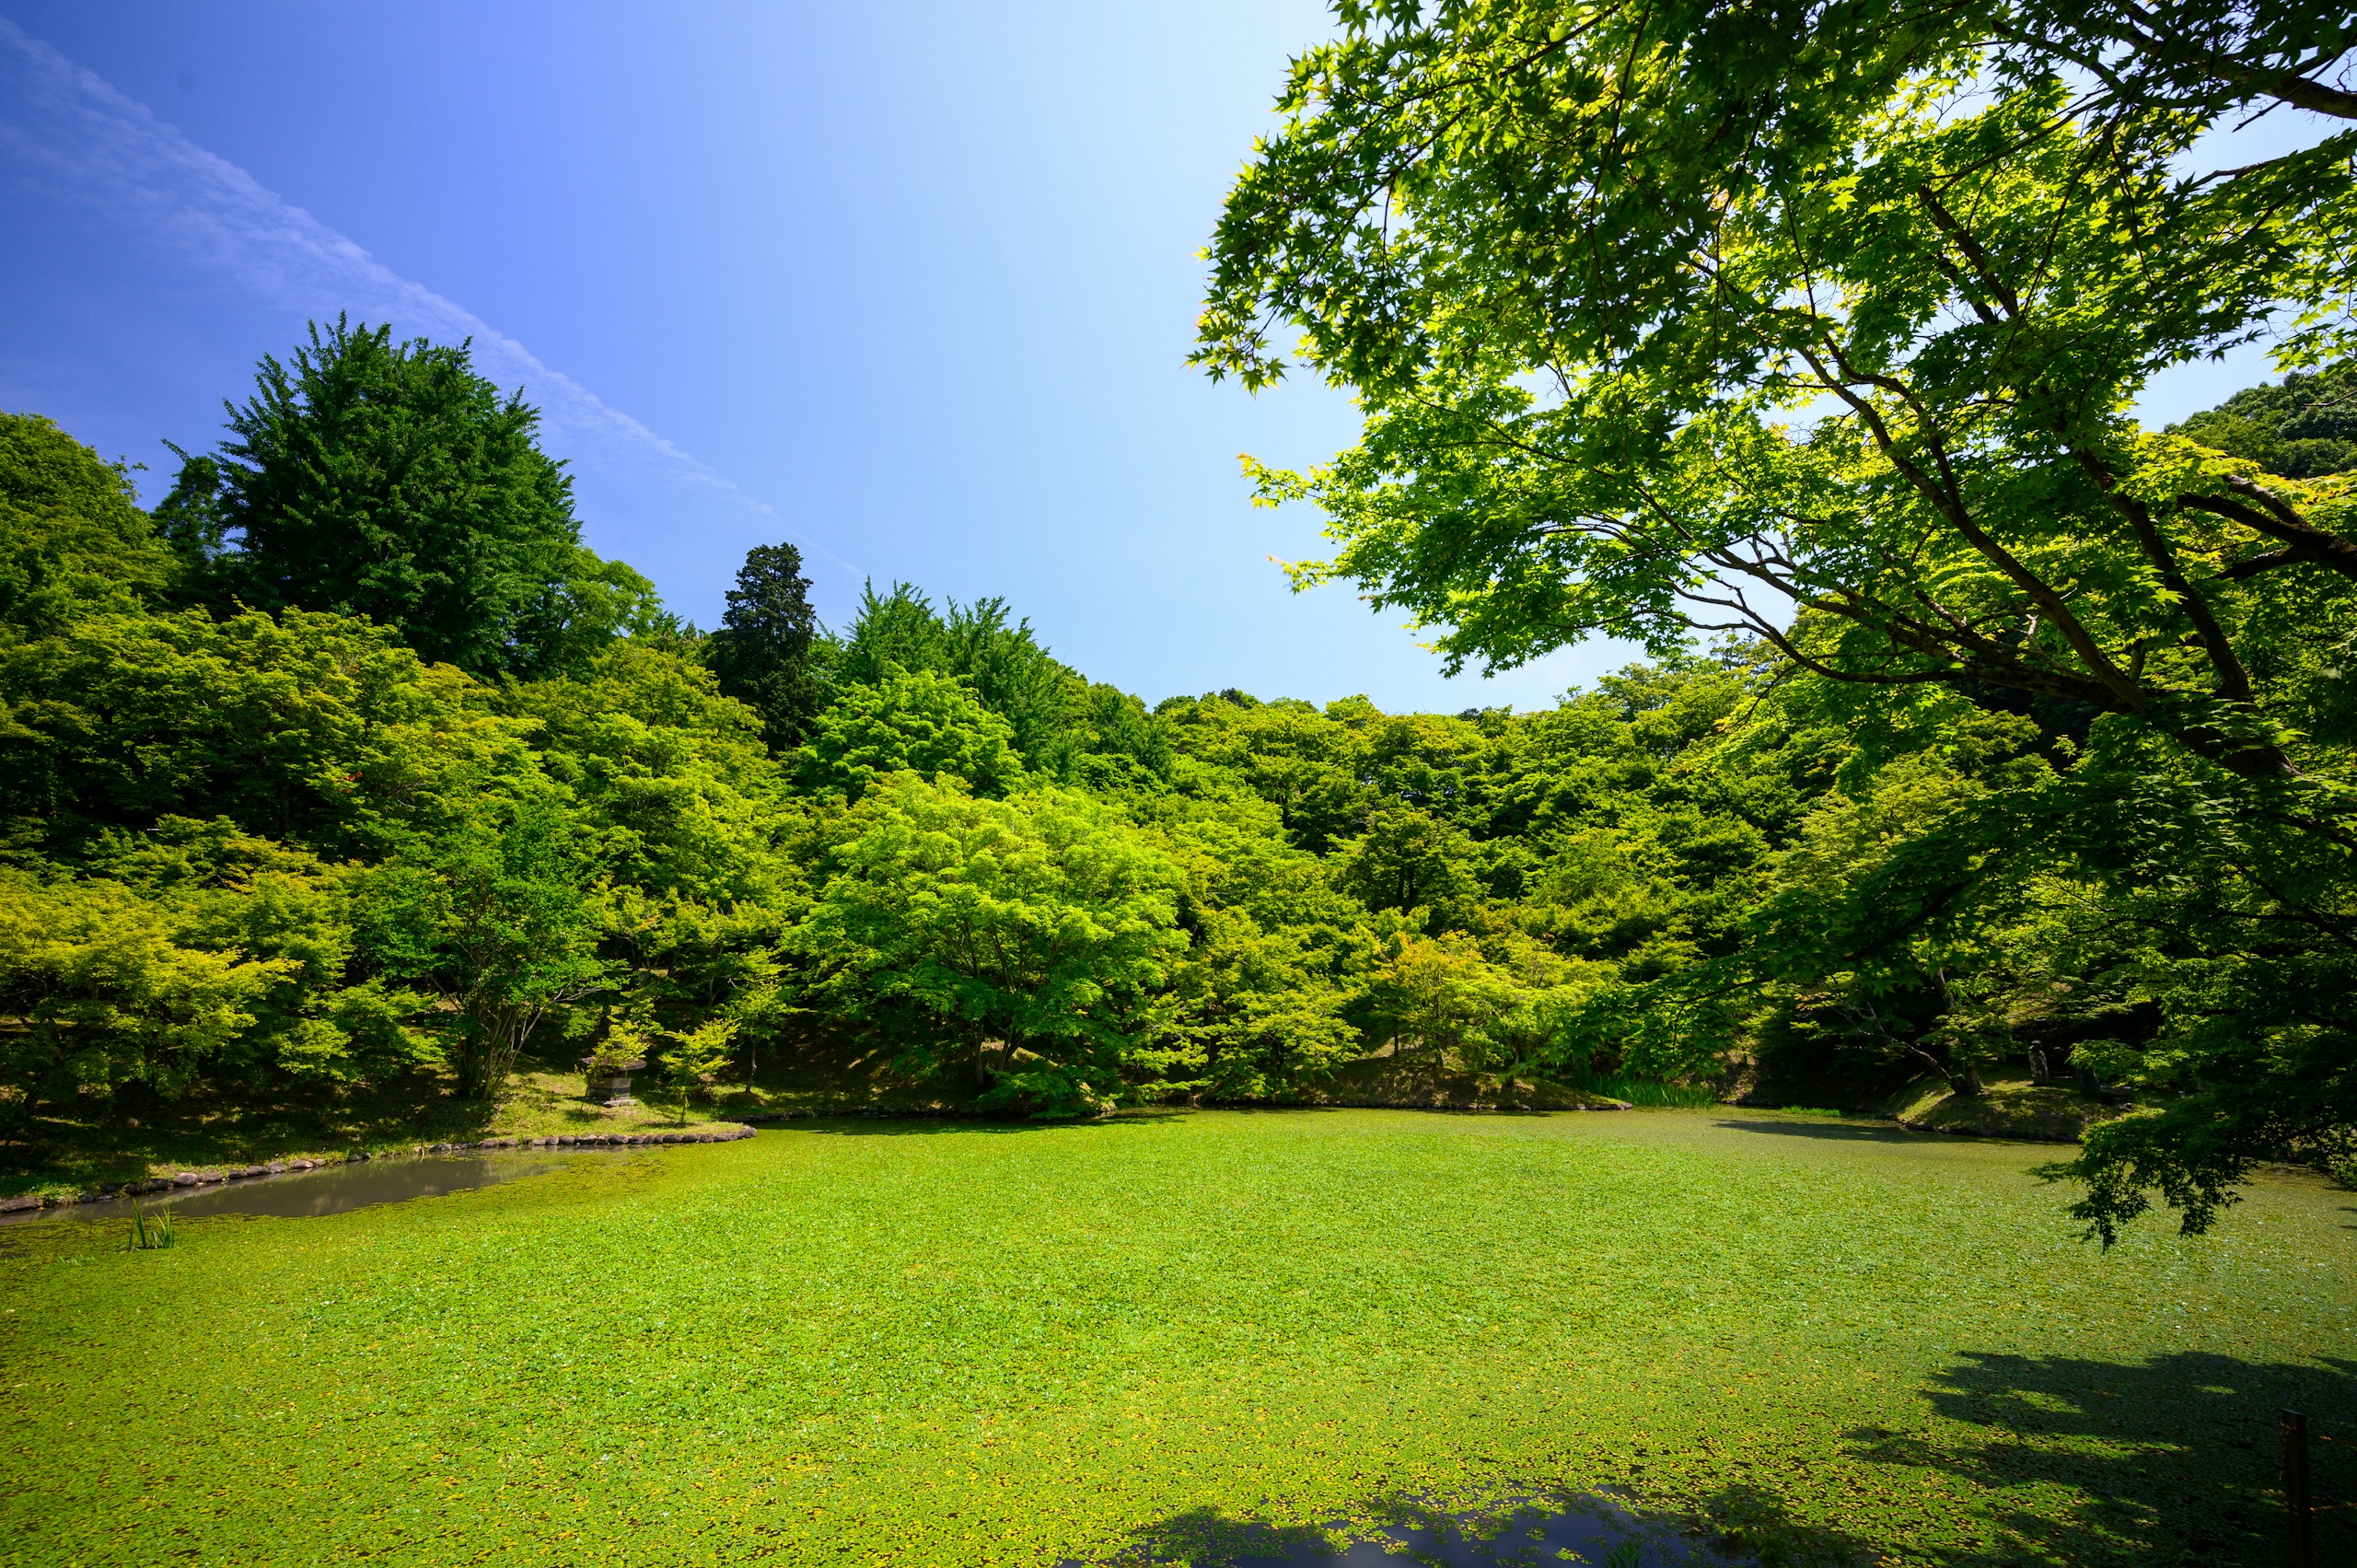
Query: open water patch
x=332, y=1189
x=1596, y=1530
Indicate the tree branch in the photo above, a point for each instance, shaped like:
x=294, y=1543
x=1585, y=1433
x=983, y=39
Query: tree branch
x=2275, y=517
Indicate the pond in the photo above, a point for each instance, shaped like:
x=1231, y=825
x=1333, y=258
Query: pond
x=334, y=1189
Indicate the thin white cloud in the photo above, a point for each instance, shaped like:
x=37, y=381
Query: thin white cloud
x=66, y=127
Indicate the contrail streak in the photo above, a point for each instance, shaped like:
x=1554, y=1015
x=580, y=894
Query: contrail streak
x=65, y=127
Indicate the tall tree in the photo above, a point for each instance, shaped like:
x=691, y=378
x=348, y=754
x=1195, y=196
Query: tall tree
x=390, y=479
x=1818, y=323
x=496, y=913
x=1567, y=436
x=763, y=651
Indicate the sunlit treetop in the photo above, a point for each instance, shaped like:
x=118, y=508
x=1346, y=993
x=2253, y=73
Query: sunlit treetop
x=1818, y=323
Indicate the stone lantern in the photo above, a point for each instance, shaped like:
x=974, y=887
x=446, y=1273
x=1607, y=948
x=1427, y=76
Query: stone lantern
x=609, y=1079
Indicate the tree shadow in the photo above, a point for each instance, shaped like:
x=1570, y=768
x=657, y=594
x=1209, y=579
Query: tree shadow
x=2097, y=1464
x=1843, y=1131
x=919, y=1123
x=2173, y=1460
x=1559, y=1529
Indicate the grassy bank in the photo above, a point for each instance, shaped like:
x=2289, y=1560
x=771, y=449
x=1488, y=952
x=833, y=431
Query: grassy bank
x=957, y=1343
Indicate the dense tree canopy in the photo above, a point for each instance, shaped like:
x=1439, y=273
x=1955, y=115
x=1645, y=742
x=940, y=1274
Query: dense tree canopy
x=2304, y=427
x=1817, y=326
x=255, y=850
x=1022, y=942
x=71, y=531
x=1984, y=734
x=366, y=477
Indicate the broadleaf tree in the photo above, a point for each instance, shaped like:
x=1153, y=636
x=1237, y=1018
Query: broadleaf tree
x=1017, y=943
x=1818, y=325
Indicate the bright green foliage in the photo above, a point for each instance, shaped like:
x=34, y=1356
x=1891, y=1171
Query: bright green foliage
x=899, y=629
x=1446, y=1003
x=1259, y=1011
x=107, y=995
x=289, y=837
x=1971, y=290
x=921, y=721
x=1569, y=859
x=1286, y=752
x=329, y=1018
x=1436, y=997
x=673, y=775
x=1407, y=860
x=317, y=728
x=1058, y=724
x=494, y=913
x=390, y=480
x=71, y=537
x=1004, y=664
x=332, y=867
x=199, y=954
x=1818, y=329
x=1276, y=953
x=696, y=1057
x=691, y=822
x=1019, y=943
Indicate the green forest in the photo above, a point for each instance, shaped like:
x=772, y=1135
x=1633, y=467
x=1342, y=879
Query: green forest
x=1872, y=1079
x=1981, y=730
x=348, y=768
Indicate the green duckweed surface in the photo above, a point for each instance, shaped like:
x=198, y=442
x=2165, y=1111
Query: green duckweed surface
x=953, y=1343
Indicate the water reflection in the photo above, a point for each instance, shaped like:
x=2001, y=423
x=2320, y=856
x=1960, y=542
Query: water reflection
x=336, y=1188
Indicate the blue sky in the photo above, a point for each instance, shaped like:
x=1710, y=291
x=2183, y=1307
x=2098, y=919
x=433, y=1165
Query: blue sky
x=909, y=285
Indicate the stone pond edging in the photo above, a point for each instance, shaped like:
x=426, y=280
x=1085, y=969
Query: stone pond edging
x=26, y=1201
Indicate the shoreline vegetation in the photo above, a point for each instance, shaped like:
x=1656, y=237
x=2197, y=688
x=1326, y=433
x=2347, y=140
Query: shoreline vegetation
x=544, y=1104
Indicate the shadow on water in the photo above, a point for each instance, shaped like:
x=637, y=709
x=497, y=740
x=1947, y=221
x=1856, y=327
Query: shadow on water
x=335, y=1190
x=2173, y=1460
x=919, y=1123
x=2097, y=1464
x=1595, y=1529
x=1843, y=1132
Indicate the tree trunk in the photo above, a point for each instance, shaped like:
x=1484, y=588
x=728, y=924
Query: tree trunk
x=1961, y=1076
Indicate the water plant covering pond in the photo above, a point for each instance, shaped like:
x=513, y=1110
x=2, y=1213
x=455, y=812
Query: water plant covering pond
x=1164, y=1338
